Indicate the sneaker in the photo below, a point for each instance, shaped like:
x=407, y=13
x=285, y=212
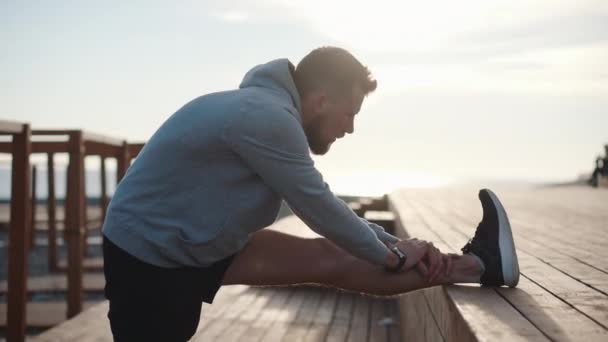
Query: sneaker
x=493, y=243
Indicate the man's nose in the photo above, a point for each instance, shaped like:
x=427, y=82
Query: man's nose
x=350, y=129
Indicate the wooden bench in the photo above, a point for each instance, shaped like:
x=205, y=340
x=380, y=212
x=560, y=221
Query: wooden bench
x=561, y=241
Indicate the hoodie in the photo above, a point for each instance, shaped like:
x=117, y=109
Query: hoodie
x=215, y=172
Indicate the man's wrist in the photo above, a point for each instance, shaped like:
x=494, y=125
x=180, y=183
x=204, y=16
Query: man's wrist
x=401, y=258
x=392, y=260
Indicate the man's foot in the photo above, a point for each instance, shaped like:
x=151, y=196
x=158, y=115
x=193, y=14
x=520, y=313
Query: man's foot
x=493, y=243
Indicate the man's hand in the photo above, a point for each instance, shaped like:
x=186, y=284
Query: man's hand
x=415, y=250
x=426, y=258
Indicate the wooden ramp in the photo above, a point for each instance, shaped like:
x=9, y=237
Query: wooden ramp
x=243, y=313
x=561, y=235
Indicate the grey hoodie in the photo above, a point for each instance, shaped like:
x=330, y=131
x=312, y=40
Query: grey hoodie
x=215, y=172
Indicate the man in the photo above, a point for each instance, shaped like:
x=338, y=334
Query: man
x=188, y=216
x=601, y=168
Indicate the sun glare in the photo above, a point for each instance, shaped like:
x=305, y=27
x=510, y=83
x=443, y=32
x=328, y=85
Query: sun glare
x=377, y=184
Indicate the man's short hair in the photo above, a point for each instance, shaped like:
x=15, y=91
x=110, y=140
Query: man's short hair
x=333, y=69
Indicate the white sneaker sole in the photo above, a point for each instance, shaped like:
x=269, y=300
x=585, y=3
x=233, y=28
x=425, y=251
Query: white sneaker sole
x=508, y=255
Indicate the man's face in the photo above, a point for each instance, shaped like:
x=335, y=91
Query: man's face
x=334, y=118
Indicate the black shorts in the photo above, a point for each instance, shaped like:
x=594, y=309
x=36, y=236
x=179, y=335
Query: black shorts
x=151, y=303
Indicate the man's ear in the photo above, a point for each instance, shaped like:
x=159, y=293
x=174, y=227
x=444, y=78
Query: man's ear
x=320, y=102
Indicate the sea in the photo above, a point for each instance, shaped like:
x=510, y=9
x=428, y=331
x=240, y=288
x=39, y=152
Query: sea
x=92, y=183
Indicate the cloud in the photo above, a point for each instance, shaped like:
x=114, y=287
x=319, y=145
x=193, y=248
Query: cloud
x=232, y=16
x=546, y=46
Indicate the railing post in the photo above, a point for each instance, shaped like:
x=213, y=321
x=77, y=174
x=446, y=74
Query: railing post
x=51, y=213
x=74, y=222
x=123, y=161
x=32, y=236
x=104, y=190
x=19, y=229
x=84, y=205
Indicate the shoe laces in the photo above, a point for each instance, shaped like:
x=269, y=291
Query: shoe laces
x=479, y=236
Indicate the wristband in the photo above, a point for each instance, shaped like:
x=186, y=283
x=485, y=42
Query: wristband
x=402, y=257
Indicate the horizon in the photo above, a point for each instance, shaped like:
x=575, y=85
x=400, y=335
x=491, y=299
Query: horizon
x=476, y=90
x=368, y=185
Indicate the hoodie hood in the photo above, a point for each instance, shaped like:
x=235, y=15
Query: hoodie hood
x=275, y=75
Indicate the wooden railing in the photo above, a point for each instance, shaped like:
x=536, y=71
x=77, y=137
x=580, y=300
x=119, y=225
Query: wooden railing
x=19, y=227
x=77, y=144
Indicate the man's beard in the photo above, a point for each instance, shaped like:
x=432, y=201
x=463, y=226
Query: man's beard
x=315, y=140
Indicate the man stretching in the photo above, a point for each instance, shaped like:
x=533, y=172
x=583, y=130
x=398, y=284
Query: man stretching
x=188, y=217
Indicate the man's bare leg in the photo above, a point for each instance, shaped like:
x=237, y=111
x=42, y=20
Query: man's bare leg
x=274, y=258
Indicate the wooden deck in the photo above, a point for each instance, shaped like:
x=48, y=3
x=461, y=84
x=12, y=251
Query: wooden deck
x=561, y=235
x=243, y=313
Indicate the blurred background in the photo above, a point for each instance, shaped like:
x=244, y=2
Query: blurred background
x=508, y=92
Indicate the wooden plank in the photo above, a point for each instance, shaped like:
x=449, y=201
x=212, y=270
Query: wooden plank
x=340, y=324
x=6, y=147
x=19, y=230
x=58, y=283
x=94, y=148
x=374, y=204
x=287, y=316
x=417, y=320
x=385, y=219
x=88, y=264
x=391, y=310
x=384, y=320
x=74, y=222
x=359, y=327
x=33, y=196
x=237, y=327
x=101, y=139
x=123, y=160
x=487, y=314
x=275, y=314
x=560, y=321
x=50, y=147
x=135, y=148
x=103, y=198
x=267, y=316
x=377, y=328
x=582, y=272
x=53, y=132
x=563, y=286
x=217, y=327
x=318, y=329
x=51, y=213
x=537, y=246
x=299, y=328
x=227, y=295
x=42, y=314
x=537, y=212
x=563, y=302
x=225, y=301
x=11, y=127
x=90, y=325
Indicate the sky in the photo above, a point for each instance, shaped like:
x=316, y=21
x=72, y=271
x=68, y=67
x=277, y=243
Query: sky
x=484, y=90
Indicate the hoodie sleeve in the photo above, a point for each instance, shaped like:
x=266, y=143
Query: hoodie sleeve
x=380, y=232
x=272, y=142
